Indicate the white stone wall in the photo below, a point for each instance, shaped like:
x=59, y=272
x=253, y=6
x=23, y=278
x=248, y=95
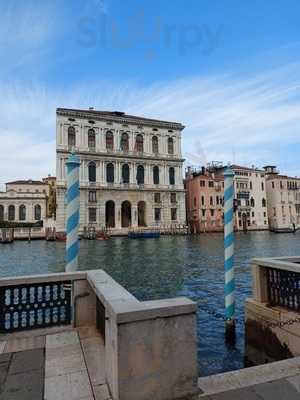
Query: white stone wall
x=118, y=191
x=254, y=182
x=29, y=200
x=283, y=203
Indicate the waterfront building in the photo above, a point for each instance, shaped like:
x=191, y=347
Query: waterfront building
x=204, y=200
x=283, y=195
x=130, y=172
x=51, y=206
x=205, y=191
x=25, y=201
x=250, y=198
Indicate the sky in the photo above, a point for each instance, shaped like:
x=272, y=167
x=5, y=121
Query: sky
x=228, y=70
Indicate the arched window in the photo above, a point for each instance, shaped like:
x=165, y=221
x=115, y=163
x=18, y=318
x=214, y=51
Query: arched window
x=37, y=212
x=139, y=143
x=156, y=175
x=110, y=173
x=109, y=140
x=202, y=200
x=211, y=201
x=71, y=136
x=172, y=176
x=170, y=146
x=92, y=172
x=155, y=144
x=1, y=213
x=91, y=139
x=252, y=202
x=125, y=173
x=264, y=203
x=22, y=213
x=11, y=213
x=124, y=142
x=140, y=175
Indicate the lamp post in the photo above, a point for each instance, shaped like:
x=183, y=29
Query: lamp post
x=229, y=254
x=73, y=201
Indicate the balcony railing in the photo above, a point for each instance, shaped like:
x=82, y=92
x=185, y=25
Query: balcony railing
x=277, y=282
x=97, y=300
x=283, y=288
x=30, y=306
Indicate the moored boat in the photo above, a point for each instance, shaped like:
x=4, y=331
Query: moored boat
x=143, y=234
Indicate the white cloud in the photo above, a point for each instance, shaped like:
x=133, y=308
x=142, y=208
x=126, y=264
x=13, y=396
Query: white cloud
x=250, y=120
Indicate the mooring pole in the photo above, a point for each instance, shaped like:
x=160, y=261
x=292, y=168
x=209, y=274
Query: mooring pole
x=73, y=202
x=229, y=254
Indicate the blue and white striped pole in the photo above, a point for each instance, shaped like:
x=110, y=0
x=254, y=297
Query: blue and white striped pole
x=229, y=250
x=72, y=245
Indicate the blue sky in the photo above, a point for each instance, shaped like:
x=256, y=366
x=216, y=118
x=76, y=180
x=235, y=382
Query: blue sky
x=229, y=70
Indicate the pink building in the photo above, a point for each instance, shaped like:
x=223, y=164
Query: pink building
x=204, y=200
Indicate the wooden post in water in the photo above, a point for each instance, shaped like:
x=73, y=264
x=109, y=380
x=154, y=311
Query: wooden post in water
x=229, y=254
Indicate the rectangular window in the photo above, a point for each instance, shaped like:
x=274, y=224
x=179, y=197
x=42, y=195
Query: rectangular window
x=173, y=214
x=202, y=183
x=203, y=212
x=157, y=214
x=92, y=196
x=212, y=212
x=272, y=185
x=262, y=186
x=156, y=197
x=253, y=214
x=92, y=214
x=173, y=197
x=211, y=184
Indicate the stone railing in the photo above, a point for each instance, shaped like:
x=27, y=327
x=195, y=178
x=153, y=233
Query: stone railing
x=272, y=315
x=276, y=281
x=150, y=346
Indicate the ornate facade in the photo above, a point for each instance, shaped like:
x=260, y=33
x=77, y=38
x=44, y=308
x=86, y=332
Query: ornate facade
x=130, y=173
x=25, y=201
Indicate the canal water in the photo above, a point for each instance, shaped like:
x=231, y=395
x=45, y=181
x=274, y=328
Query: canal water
x=167, y=267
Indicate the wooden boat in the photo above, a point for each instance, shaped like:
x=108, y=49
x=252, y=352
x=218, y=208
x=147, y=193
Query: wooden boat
x=143, y=234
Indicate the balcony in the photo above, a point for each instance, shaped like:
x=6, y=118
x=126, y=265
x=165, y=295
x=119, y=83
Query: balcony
x=243, y=195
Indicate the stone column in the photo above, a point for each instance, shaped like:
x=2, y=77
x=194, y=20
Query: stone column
x=102, y=215
x=98, y=172
x=98, y=140
x=134, y=215
x=118, y=215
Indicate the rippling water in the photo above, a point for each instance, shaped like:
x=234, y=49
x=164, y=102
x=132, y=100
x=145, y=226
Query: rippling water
x=167, y=267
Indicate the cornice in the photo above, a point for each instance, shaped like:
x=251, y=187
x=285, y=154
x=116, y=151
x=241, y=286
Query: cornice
x=121, y=156
x=122, y=119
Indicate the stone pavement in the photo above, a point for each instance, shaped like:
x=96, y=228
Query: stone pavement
x=48, y=365
x=282, y=389
x=22, y=375
x=275, y=381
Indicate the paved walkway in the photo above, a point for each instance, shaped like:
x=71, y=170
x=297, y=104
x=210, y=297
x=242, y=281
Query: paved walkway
x=53, y=365
x=275, y=381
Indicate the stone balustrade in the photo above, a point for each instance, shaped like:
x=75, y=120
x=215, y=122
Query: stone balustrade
x=150, y=346
x=272, y=315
